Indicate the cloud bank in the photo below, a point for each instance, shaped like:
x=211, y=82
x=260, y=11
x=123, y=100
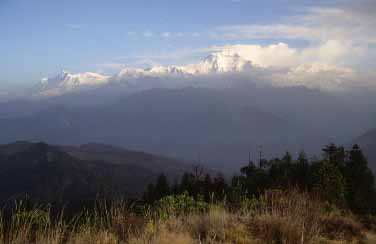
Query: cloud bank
x=336, y=50
x=321, y=48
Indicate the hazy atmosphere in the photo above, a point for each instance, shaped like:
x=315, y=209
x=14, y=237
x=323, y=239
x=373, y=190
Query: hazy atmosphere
x=201, y=107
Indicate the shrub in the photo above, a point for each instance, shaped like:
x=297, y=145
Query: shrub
x=178, y=205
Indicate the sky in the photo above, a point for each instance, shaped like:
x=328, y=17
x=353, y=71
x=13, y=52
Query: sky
x=41, y=37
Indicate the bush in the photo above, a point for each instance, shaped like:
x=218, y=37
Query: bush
x=178, y=205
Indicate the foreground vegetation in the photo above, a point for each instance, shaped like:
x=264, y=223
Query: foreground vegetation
x=341, y=178
x=331, y=200
x=274, y=217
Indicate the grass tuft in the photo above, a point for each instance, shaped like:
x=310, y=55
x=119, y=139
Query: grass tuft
x=285, y=217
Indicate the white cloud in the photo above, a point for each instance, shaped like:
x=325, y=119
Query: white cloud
x=318, y=76
x=280, y=55
x=195, y=34
x=166, y=34
x=344, y=34
x=316, y=25
x=339, y=48
x=321, y=66
x=148, y=34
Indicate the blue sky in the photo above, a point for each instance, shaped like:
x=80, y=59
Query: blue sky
x=41, y=37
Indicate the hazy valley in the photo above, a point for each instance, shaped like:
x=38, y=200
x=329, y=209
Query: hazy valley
x=211, y=122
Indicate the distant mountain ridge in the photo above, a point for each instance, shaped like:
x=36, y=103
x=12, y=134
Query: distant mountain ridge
x=216, y=63
x=220, y=126
x=116, y=155
x=66, y=81
x=62, y=174
x=177, y=123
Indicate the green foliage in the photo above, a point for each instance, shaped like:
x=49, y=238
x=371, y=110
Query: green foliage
x=342, y=179
x=360, y=190
x=329, y=182
x=302, y=175
x=161, y=189
x=177, y=205
x=252, y=180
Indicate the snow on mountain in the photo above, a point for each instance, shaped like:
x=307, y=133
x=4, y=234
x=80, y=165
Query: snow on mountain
x=315, y=75
x=66, y=81
x=221, y=62
x=157, y=71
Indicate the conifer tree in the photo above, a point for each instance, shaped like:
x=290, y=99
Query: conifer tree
x=329, y=182
x=360, y=183
x=162, y=187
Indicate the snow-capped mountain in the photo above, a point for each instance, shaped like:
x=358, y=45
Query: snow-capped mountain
x=203, y=73
x=215, y=63
x=66, y=81
x=221, y=62
x=157, y=71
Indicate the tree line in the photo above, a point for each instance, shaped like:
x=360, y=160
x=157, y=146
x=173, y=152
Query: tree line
x=341, y=178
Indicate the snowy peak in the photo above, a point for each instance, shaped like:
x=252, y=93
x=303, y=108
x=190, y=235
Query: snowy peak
x=215, y=63
x=132, y=73
x=66, y=81
x=167, y=70
x=223, y=62
x=157, y=71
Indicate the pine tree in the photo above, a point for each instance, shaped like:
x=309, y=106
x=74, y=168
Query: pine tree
x=329, y=182
x=149, y=195
x=302, y=174
x=186, y=184
x=162, y=187
x=253, y=180
x=220, y=187
x=360, y=183
x=335, y=155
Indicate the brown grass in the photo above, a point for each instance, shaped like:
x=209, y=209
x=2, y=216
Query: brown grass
x=277, y=217
x=286, y=217
x=344, y=227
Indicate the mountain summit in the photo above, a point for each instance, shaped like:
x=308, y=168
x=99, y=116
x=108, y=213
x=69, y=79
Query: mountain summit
x=66, y=81
x=221, y=62
x=215, y=63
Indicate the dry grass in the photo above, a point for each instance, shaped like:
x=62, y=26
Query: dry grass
x=344, y=227
x=277, y=217
x=290, y=217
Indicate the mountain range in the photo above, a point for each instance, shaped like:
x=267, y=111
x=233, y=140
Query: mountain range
x=217, y=110
x=218, y=127
x=216, y=63
x=219, y=69
x=67, y=174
